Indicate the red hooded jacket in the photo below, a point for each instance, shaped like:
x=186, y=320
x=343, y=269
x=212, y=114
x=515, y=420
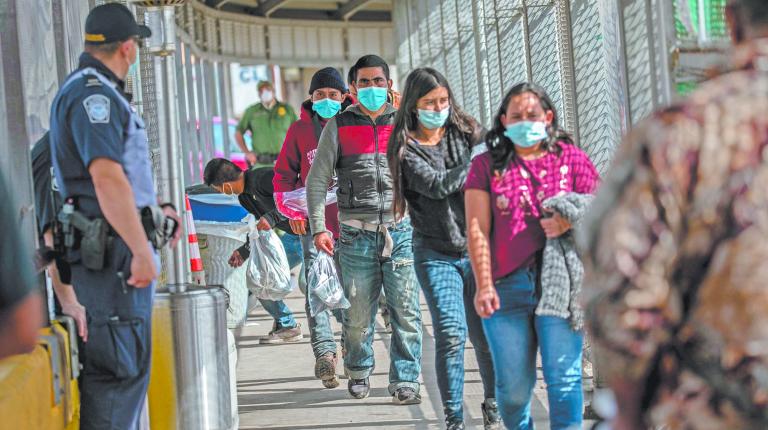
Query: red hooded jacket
x=294, y=161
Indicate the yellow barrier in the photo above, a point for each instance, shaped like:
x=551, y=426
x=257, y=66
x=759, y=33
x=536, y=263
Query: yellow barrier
x=72, y=398
x=162, y=379
x=37, y=390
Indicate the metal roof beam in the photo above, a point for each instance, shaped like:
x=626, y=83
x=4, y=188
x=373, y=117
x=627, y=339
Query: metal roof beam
x=268, y=7
x=350, y=8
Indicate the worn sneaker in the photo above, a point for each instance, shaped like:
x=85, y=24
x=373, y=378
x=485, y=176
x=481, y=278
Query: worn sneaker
x=359, y=388
x=325, y=370
x=491, y=416
x=454, y=424
x=283, y=335
x=406, y=396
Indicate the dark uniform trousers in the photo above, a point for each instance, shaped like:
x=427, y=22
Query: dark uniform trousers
x=116, y=358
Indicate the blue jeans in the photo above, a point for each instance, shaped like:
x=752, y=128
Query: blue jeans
x=320, y=329
x=364, y=271
x=292, y=245
x=514, y=334
x=278, y=310
x=449, y=287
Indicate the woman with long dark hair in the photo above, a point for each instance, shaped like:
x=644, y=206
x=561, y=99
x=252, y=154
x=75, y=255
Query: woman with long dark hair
x=429, y=155
x=510, y=191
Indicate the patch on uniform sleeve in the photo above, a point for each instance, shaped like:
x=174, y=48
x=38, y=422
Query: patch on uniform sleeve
x=97, y=107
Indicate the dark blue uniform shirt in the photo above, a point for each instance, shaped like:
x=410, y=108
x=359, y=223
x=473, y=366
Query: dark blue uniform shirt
x=91, y=119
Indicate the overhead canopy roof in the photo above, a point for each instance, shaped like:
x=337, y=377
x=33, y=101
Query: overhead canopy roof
x=353, y=10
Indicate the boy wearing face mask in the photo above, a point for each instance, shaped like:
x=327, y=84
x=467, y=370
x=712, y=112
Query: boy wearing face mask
x=268, y=122
x=253, y=189
x=327, y=91
x=374, y=248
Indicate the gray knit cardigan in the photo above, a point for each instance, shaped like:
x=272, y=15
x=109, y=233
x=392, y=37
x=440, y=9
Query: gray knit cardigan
x=562, y=271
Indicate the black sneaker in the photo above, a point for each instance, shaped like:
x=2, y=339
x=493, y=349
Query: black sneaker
x=491, y=416
x=454, y=424
x=406, y=396
x=359, y=388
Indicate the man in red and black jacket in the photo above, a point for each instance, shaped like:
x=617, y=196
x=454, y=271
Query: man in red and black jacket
x=374, y=248
x=327, y=92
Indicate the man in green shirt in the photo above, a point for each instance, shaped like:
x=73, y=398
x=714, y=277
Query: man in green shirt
x=268, y=122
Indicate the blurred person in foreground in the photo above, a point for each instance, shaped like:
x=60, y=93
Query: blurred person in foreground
x=21, y=305
x=677, y=252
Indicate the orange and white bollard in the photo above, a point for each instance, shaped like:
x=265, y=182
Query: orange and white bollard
x=195, y=260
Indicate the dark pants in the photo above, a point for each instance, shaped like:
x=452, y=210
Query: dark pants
x=116, y=358
x=449, y=289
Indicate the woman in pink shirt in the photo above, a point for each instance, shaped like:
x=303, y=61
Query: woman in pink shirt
x=529, y=160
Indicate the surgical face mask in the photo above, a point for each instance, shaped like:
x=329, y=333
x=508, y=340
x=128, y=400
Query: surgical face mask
x=326, y=108
x=372, y=98
x=133, y=68
x=432, y=120
x=231, y=192
x=267, y=96
x=526, y=134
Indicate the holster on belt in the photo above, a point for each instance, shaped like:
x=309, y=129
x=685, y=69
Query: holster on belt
x=91, y=237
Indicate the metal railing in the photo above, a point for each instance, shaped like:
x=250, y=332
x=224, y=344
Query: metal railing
x=238, y=38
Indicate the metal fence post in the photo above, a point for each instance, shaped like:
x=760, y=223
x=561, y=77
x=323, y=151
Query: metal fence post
x=184, y=117
x=481, y=62
x=223, y=103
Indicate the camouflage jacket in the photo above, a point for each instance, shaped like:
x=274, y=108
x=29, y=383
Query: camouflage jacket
x=677, y=256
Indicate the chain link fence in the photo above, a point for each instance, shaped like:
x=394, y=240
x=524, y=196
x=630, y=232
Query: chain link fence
x=606, y=64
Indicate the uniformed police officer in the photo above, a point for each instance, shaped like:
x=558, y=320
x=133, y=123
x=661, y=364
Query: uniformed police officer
x=101, y=162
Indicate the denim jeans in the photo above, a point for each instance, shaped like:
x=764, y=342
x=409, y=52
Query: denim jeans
x=278, y=310
x=514, y=334
x=449, y=288
x=320, y=330
x=293, y=249
x=364, y=271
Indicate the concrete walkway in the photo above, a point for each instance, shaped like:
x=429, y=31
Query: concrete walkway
x=277, y=389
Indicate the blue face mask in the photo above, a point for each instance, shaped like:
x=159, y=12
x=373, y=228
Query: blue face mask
x=373, y=98
x=432, y=120
x=527, y=134
x=133, y=70
x=326, y=108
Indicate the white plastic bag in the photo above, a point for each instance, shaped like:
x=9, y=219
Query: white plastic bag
x=269, y=276
x=297, y=199
x=323, y=286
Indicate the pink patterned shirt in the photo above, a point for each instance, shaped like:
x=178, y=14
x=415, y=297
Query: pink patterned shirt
x=516, y=198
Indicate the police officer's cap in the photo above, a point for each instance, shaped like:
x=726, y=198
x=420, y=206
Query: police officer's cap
x=112, y=22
